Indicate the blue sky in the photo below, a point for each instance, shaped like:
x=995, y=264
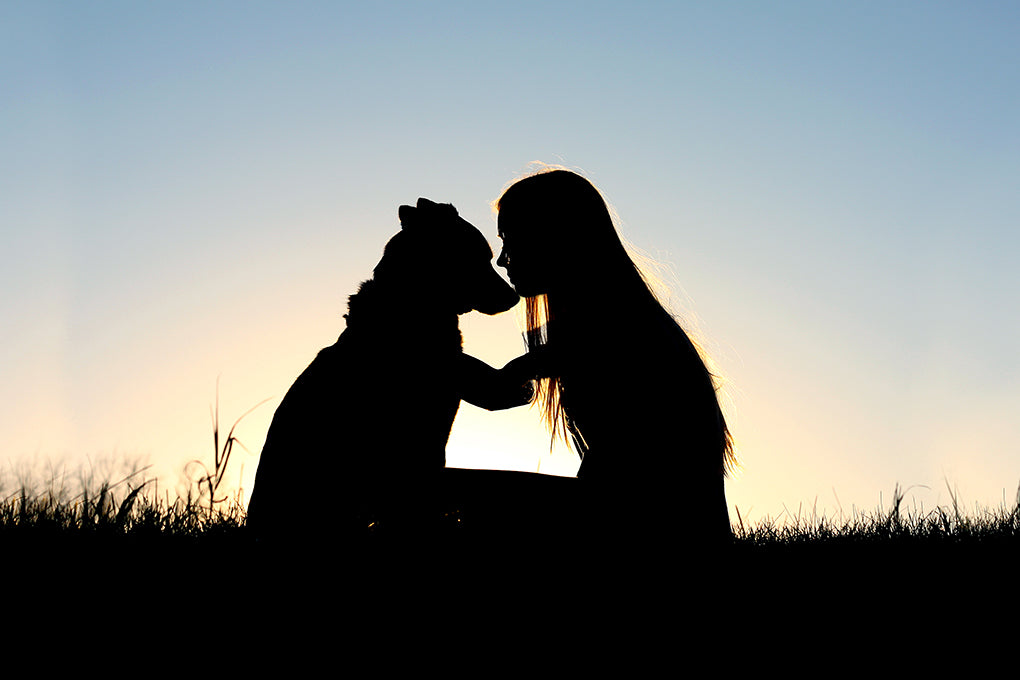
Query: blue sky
x=191, y=190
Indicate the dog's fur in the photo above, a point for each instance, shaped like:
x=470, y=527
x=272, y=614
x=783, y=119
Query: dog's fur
x=360, y=437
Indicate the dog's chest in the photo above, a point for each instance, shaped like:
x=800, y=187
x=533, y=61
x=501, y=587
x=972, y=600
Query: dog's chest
x=411, y=381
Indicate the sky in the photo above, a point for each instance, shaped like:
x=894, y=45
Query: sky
x=189, y=191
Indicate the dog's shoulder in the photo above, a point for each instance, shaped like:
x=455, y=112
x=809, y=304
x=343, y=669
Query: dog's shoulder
x=379, y=320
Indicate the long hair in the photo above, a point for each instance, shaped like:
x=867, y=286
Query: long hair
x=596, y=275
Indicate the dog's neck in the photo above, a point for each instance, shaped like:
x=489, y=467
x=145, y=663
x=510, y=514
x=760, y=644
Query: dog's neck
x=388, y=312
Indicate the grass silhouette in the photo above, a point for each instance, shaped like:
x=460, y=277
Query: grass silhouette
x=123, y=539
x=111, y=524
x=130, y=508
x=938, y=526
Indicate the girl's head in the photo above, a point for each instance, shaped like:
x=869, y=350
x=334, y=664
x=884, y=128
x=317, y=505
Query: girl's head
x=557, y=232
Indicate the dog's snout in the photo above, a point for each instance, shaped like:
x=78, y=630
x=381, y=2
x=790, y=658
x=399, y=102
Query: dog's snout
x=494, y=295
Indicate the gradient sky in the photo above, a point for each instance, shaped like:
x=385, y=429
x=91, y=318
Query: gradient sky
x=190, y=190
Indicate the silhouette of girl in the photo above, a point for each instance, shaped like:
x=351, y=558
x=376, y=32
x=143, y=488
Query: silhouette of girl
x=616, y=372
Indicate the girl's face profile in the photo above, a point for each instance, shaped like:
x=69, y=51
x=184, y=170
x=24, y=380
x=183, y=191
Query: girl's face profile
x=520, y=255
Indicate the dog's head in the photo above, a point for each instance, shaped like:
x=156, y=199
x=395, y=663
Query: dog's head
x=444, y=255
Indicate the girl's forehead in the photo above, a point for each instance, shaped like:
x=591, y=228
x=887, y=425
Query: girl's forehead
x=502, y=223
x=509, y=220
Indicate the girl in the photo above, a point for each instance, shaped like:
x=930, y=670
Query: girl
x=616, y=371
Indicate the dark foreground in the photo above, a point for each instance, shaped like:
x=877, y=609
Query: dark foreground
x=220, y=599
x=124, y=567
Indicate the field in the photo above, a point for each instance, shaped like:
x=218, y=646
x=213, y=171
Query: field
x=101, y=556
x=128, y=515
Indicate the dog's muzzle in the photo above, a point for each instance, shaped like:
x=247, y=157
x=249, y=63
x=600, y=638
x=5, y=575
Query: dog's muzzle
x=494, y=295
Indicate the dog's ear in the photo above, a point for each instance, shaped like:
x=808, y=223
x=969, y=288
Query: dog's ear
x=429, y=206
x=436, y=210
x=408, y=216
x=425, y=212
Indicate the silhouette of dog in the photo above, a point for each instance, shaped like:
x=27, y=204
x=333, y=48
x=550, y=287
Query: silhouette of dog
x=361, y=435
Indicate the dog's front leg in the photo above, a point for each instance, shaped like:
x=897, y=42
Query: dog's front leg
x=539, y=362
x=491, y=389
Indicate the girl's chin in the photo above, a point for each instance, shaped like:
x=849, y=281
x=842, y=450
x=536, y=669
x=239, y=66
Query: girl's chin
x=528, y=288
x=526, y=292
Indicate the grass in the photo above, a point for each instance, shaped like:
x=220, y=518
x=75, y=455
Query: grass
x=897, y=526
x=105, y=547
x=130, y=507
x=119, y=505
x=114, y=520
x=126, y=509
x=124, y=540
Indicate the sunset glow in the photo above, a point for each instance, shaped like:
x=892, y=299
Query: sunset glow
x=190, y=193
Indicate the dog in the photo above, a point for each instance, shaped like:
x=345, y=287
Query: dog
x=360, y=438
